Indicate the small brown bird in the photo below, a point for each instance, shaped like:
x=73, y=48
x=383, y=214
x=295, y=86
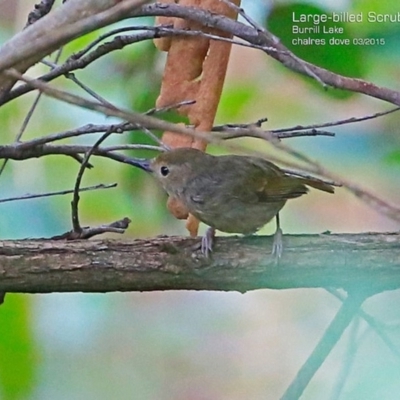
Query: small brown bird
x=233, y=193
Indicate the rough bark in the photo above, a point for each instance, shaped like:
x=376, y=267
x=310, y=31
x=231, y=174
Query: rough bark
x=369, y=261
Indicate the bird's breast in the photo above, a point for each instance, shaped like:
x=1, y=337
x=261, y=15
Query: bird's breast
x=233, y=216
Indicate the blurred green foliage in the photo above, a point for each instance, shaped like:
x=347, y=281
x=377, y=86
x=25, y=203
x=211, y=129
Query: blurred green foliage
x=235, y=101
x=18, y=349
x=377, y=6
x=393, y=158
x=342, y=59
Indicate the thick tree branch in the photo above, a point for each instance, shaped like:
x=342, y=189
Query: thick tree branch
x=73, y=19
x=350, y=261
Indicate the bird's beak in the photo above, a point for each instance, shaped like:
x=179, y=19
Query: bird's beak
x=142, y=164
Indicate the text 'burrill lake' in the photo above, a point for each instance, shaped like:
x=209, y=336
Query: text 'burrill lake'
x=371, y=16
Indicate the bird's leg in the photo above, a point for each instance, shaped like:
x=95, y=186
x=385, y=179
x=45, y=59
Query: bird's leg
x=277, y=245
x=207, y=241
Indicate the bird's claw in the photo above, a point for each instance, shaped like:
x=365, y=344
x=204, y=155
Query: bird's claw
x=277, y=244
x=207, y=242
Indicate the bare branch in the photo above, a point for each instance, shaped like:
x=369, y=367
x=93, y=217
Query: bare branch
x=46, y=7
x=230, y=131
x=348, y=261
x=266, y=39
x=58, y=193
x=262, y=39
x=88, y=232
x=16, y=152
x=75, y=201
x=375, y=325
x=339, y=122
x=81, y=59
x=153, y=123
x=353, y=345
x=73, y=64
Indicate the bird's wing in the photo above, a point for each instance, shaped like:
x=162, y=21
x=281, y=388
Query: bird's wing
x=264, y=182
x=249, y=180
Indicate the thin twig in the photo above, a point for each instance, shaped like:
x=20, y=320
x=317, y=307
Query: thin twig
x=339, y=122
x=154, y=123
x=271, y=37
x=23, y=127
x=310, y=132
x=59, y=193
x=92, y=128
x=333, y=333
x=280, y=53
x=74, y=204
x=158, y=110
x=46, y=9
x=348, y=361
x=153, y=136
x=15, y=153
x=71, y=76
x=104, y=36
x=376, y=325
x=83, y=130
x=128, y=9
x=237, y=132
x=231, y=131
x=88, y=232
x=258, y=124
x=241, y=12
x=75, y=62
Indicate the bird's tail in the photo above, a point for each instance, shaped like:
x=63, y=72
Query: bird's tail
x=311, y=181
x=317, y=184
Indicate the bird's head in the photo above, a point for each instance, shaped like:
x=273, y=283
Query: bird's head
x=174, y=168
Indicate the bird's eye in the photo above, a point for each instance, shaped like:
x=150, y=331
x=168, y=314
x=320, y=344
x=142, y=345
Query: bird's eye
x=164, y=170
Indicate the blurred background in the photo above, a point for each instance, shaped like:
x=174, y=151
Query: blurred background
x=203, y=345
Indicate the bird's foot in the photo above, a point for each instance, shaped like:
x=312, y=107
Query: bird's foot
x=207, y=242
x=277, y=244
